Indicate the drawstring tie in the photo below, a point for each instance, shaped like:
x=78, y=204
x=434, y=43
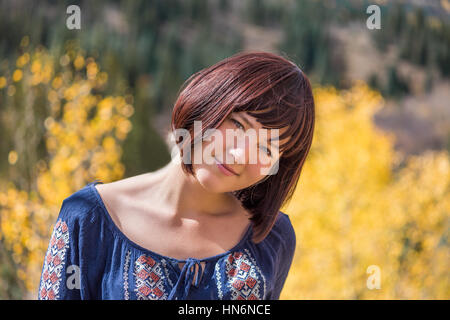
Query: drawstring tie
x=192, y=268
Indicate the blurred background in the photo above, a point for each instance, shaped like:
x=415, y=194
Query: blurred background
x=95, y=103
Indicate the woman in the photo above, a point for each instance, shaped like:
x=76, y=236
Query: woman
x=197, y=229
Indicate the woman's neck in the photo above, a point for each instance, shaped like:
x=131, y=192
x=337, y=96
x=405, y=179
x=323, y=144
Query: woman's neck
x=187, y=198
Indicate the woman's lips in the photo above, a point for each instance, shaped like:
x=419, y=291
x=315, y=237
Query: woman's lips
x=226, y=170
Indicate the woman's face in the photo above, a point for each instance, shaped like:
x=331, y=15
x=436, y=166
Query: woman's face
x=249, y=159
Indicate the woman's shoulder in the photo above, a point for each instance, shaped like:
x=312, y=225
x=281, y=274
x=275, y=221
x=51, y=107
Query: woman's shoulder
x=127, y=187
x=284, y=223
x=80, y=202
x=78, y=211
x=91, y=197
x=283, y=233
x=94, y=204
x=119, y=195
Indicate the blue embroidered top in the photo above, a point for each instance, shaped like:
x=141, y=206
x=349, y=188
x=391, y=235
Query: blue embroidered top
x=88, y=257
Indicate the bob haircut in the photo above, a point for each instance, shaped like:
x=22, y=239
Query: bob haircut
x=280, y=96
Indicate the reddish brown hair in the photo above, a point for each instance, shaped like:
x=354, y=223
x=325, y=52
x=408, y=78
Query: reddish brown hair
x=280, y=96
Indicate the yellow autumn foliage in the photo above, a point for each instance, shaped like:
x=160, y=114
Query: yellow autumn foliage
x=84, y=132
x=356, y=208
x=358, y=205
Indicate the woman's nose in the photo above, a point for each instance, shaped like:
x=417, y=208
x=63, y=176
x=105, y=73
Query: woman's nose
x=238, y=155
x=239, y=152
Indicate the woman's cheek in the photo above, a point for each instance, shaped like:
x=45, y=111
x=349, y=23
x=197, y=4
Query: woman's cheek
x=255, y=173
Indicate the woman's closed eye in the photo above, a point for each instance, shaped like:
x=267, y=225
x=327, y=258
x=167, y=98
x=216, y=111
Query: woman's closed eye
x=240, y=126
x=267, y=151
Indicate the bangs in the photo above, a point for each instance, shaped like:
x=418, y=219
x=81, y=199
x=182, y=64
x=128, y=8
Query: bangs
x=286, y=105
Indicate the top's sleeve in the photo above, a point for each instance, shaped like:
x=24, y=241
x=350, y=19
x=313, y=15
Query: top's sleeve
x=74, y=260
x=286, y=255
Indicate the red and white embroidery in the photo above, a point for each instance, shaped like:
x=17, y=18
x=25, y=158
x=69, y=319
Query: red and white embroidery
x=243, y=279
x=125, y=275
x=54, y=262
x=149, y=279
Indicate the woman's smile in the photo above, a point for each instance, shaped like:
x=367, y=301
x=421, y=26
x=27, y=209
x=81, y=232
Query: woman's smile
x=225, y=169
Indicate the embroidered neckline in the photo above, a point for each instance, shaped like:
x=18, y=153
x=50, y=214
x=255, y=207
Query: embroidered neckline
x=115, y=229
